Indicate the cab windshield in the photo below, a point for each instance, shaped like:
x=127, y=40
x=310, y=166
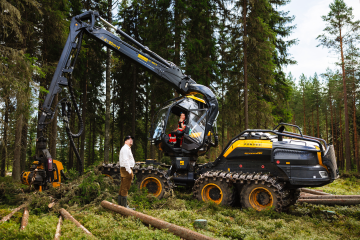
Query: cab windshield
x=160, y=122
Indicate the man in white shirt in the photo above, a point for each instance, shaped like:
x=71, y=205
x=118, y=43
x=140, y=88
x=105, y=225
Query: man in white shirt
x=127, y=162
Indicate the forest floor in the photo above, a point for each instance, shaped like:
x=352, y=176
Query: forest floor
x=82, y=197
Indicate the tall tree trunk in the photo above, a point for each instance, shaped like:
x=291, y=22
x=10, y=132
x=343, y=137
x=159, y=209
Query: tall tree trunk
x=177, y=33
x=93, y=142
x=5, y=137
x=107, y=101
x=53, y=135
x=245, y=67
x=152, y=112
x=332, y=123
x=133, y=107
x=89, y=145
x=356, y=153
x=347, y=135
x=112, y=132
x=326, y=125
x=341, y=143
x=228, y=134
x=17, y=147
x=313, y=123
x=71, y=150
x=121, y=112
x=84, y=111
x=317, y=113
x=24, y=144
x=303, y=95
x=146, y=118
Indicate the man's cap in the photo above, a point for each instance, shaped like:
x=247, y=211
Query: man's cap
x=128, y=137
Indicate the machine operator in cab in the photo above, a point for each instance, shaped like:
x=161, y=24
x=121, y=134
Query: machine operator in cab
x=174, y=136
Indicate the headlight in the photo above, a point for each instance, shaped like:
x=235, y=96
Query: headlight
x=323, y=174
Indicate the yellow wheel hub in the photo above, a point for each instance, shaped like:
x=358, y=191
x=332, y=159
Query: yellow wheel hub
x=212, y=192
x=260, y=198
x=106, y=175
x=153, y=185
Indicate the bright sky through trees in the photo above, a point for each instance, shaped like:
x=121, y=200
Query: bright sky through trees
x=308, y=14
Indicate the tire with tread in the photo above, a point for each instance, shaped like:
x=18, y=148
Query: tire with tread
x=214, y=189
x=154, y=180
x=260, y=197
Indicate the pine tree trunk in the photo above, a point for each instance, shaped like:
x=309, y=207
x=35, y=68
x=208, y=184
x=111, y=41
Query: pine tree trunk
x=347, y=135
x=53, y=135
x=107, y=101
x=71, y=150
x=23, y=144
x=317, y=113
x=312, y=124
x=326, y=125
x=89, y=144
x=177, y=33
x=355, y=134
x=17, y=147
x=332, y=124
x=133, y=107
x=228, y=134
x=84, y=111
x=152, y=112
x=112, y=133
x=304, y=110
x=122, y=123
x=245, y=67
x=146, y=118
x=4, y=148
x=93, y=142
x=341, y=143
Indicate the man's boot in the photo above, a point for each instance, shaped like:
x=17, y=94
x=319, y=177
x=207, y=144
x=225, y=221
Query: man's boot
x=124, y=203
x=119, y=200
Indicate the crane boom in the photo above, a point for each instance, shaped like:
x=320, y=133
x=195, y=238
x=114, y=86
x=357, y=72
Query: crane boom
x=133, y=50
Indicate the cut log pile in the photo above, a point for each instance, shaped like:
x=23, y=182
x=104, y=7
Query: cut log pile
x=319, y=197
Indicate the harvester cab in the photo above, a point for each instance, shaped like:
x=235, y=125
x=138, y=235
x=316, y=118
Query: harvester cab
x=178, y=137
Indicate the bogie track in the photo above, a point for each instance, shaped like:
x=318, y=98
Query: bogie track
x=264, y=190
x=154, y=179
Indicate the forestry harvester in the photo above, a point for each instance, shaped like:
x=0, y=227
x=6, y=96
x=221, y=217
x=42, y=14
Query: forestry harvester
x=259, y=168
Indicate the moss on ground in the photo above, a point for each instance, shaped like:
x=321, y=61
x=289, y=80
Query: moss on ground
x=82, y=197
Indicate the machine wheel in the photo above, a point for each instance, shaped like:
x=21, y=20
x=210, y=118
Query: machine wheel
x=259, y=197
x=154, y=180
x=214, y=190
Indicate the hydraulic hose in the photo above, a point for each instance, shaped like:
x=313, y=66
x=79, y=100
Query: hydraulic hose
x=81, y=124
x=76, y=110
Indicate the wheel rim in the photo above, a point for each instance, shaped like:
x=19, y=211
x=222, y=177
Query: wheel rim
x=212, y=192
x=153, y=185
x=106, y=175
x=260, y=199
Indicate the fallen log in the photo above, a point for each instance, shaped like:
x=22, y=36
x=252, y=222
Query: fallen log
x=334, y=201
x=68, y=216
x=58, y=229
x=330, y=197
x=314, y=191
x=25, y=219
x=177, y=230
x=7, y=217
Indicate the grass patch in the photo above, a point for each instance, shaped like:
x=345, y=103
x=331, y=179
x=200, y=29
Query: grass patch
x=82, y=196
